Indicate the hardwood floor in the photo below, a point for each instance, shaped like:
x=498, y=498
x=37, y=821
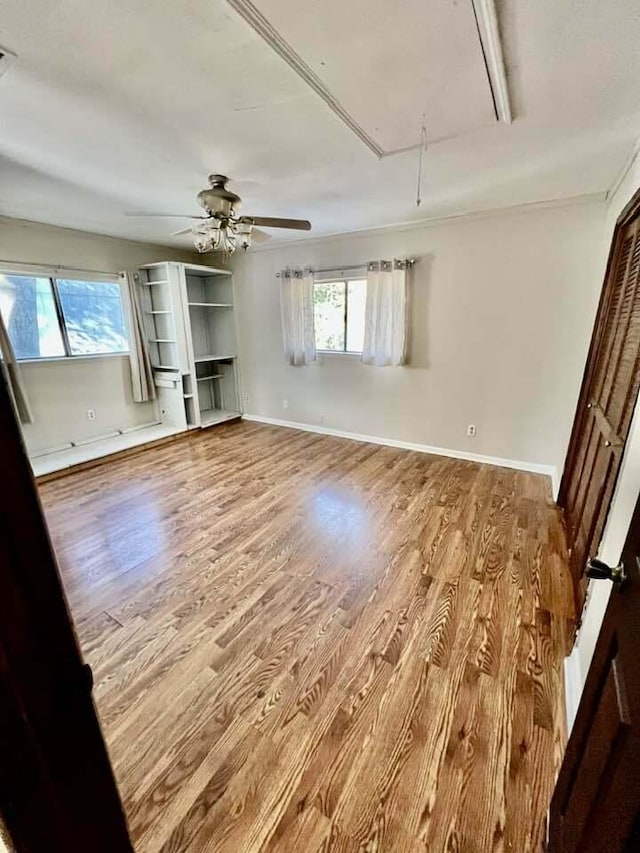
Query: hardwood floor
x=303, y=643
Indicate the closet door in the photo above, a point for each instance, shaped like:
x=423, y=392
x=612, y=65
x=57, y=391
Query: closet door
x=608, y=398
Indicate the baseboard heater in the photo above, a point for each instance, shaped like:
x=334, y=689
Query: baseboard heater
x=95, y=438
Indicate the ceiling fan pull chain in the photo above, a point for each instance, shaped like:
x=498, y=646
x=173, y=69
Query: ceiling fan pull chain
x=423, y=148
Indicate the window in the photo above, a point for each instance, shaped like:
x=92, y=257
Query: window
x=29, y=313
x=338, y=310
x=53, y=318
x=92, y=314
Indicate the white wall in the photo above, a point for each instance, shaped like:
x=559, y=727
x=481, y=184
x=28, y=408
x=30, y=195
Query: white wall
x=502, y=311
x=624, y=499
x=60, y=392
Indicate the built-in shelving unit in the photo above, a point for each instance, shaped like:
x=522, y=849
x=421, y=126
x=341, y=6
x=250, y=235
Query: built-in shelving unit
x=161, y=307
x=209, y=298
x=191, y=332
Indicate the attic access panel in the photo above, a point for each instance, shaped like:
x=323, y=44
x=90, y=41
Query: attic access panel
x=388, y=63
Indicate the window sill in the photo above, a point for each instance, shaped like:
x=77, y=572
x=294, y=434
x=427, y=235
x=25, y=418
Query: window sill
x=340, y=353
x=61, y=359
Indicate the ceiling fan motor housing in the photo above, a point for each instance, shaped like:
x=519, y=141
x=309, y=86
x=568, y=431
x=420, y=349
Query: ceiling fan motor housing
x=219, y=201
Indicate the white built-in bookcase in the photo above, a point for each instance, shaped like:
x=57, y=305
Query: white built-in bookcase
x=190, y=325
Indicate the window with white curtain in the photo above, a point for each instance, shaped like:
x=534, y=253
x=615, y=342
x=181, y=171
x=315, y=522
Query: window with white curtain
x=339, y=315
x=57, y=318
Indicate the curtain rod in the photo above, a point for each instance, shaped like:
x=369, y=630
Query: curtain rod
x=53, y=267
x=338, y=268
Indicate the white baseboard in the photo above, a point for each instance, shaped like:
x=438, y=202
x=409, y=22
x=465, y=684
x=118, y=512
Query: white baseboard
x=573, y=683
x=533, y=467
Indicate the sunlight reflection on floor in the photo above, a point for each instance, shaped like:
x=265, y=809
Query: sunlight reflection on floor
x=340, y=513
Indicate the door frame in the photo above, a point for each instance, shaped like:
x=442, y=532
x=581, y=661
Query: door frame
x=630, y=211
x=57, y=789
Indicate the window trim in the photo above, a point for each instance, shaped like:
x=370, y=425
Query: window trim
x=52, y=359
x=340, y=352
x=345, y=281
x=72, y=275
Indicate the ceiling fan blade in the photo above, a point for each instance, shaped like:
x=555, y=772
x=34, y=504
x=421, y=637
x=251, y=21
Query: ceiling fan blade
x=179, y=233
x=168, y=215
x=259, y=236
x=276, y=222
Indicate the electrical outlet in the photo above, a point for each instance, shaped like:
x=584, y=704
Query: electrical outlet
x=471, y=430
x=245, y=399
x=285, y=404
x=321, y=420
x=91, y=414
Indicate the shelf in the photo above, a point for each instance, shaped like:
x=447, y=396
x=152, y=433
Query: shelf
x=207, y=271
x=216, y=416
x=164, y=367
x=200, y=358
x=149, y=283
x=207, y=378
x=210, y=304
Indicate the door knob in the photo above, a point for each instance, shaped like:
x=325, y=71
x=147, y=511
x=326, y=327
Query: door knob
x=597, y=570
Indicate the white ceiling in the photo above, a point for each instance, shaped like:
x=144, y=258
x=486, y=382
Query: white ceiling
x=129, y=105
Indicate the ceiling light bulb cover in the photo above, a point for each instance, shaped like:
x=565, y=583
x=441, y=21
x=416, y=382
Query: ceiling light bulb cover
x=221, y=236
x=243, y=232
x=226, y=241
x=203, y=238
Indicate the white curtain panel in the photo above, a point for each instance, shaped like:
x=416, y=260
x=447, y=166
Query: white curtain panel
x=296, y=305
x=142, y=384
x=13, y=377
x=385, y=317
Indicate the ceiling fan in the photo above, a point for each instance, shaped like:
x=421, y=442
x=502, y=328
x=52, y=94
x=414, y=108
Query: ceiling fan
x=222, y=229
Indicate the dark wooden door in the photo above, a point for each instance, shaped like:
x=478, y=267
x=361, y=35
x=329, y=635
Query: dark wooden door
x=607, y=400
x=596, y=803
x=57, y=791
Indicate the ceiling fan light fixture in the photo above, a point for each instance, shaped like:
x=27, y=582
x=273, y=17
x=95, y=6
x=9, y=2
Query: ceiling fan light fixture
x=226, y=240
x=243, y=234
x=226, y=236
x=204, y=237
x=222, y=229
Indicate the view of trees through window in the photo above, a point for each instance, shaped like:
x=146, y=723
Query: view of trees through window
x=339, y=315
x=90, y=313
x=29, y=313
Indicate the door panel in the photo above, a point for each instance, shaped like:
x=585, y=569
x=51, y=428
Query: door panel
x=57, y=791
x=611, y=722
x=607, y=400
x=596, y=803
x=626, y=286
x=612, y=316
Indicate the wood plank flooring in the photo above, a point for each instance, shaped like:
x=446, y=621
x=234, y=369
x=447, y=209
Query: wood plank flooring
x=303, y=643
